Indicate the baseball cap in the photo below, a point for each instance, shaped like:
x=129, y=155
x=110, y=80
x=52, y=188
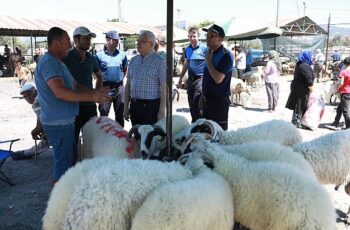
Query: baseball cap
x=26, y=87
x=82, y=30
x=113, y=34
x=216, y=30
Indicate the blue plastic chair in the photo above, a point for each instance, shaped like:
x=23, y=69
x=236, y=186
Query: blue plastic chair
x=4, y=154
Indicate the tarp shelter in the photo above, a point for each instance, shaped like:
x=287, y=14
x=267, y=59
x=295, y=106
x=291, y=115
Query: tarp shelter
x=263, y=33
x=298, y=34
x=39, y=27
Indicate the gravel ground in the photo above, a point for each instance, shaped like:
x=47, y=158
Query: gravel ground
x=22, y=206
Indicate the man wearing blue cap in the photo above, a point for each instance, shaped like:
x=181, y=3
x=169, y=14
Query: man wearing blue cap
x=217, y=77
x=113, y=64
x=82, y=65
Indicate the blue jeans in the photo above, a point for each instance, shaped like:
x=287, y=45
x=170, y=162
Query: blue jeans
x=62, y=139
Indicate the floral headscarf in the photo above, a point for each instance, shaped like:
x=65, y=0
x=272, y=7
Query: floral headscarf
x=305, y=56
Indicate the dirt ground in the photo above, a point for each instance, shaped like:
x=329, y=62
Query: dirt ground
x=22, y=206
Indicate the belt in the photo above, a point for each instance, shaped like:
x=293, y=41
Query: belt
x=112, y=84
x=195, y=78
x=145, y=101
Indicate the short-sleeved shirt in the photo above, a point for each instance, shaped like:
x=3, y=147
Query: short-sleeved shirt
x=345, y=88
x=146, y=75
x=54, y=111
x=241, y=60
x=36, y=106
x=223, y=62
x=82, y=69
x=195, y=57
x=112, y=65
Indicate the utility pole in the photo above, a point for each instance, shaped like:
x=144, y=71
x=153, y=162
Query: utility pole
x=327, y=40
x=304, y=8
x=275, y=40
x=120, y=19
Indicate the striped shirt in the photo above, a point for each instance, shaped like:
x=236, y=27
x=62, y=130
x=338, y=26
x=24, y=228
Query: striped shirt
x=36, y=106
x=146, y=75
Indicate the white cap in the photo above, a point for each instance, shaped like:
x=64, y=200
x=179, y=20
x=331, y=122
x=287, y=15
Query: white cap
x=26, y=87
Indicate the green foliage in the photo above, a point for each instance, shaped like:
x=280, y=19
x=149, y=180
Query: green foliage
x=17, y=43
x=338, y=40
x=206, y=22
x=112, y=20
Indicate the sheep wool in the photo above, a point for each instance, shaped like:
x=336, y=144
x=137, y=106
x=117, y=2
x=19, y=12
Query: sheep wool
x=62, y=191
x=103, y=136
x=269, y=151
x=270, y=195
x=329, y=155
x=277, y=131
x=109, y=196
x=200, y=203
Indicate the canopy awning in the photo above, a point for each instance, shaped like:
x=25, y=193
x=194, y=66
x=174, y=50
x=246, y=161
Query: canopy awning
x=263, y=33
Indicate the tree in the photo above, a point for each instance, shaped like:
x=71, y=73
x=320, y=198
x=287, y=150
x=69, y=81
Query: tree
x=205, y=23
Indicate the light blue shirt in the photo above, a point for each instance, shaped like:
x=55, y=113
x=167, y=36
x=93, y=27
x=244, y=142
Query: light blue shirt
x=112, y=65
x=54, y=111
x=146, y=75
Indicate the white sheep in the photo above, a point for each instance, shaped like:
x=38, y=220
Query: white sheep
x=268, y=195
x=108, y=196
x=277, y=131
x=61, y=194
x=329, y=155
x=151, y=138
x=200, y=203
x=237, y=86
x=269, y=151
x=103, y=136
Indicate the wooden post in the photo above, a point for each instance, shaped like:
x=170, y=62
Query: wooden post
x=169, y=79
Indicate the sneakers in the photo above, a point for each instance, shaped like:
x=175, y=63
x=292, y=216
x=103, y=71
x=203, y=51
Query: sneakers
x=335, y=126
x=19, y=155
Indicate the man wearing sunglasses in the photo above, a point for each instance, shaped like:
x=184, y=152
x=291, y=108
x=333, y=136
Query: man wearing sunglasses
x=217, y=77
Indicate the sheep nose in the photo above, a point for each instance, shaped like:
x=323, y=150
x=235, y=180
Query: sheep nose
x=144, y=154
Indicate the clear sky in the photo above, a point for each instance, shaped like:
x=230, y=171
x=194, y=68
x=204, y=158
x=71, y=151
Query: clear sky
x=153, y=12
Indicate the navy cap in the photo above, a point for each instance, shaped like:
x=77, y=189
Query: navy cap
x=113, y=34
x=216, y=30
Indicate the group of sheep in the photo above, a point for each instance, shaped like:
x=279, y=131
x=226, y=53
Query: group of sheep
x=263, y=177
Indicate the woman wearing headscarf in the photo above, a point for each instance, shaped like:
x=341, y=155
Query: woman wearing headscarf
x=301, y=87
x=271, y=74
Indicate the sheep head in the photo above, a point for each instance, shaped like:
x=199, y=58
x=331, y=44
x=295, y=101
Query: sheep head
x=200, y=126
x=151, y=139
x=194, y=152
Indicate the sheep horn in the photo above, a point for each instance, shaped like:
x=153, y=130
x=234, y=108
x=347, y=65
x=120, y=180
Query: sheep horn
x=134, y=130
x=159, y=130
x=203, y=128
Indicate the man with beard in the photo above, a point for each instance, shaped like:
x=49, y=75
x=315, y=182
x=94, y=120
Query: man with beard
x=83, y=65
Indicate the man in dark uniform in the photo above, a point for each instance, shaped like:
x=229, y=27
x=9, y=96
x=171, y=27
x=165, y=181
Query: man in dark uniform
x=194, y=63
x=217, y=77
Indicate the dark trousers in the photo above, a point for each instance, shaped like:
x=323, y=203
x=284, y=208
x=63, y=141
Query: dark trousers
x=118, y=106
x=194, y=96
x=85, y=113
x=343, y=108
x=144, y=111
x=216, y=109
x=240, y=73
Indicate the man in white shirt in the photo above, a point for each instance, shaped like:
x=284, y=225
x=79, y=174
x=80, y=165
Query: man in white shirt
x=240, y=61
